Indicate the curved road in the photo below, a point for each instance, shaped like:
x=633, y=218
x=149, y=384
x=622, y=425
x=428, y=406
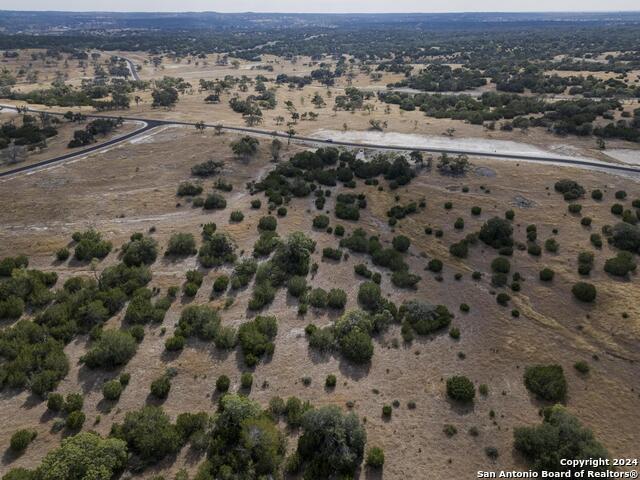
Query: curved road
x=151, y=123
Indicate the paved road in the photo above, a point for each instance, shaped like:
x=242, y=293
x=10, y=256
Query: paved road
x=79, y=153
x=151, y=123
x=132, y=68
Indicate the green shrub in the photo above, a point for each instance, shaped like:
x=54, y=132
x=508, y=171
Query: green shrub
x=575, y=208
x=75, y=420
x=337, y=298
x=330, y=381
x=449, y=430
x=181, y=244
x=582, y=367
x=282, y=212
x=236, y=216
x=509, y=214
x=459, y=223
x=401, y=243
x=459, y=249
x=435, y=265
x=139, y=251
x=217, y=250
x=189, y=189
x=546, y=381
x=332, y=253
x=424, y=318
x=268, y=223
x=621, y=195
x=503, y=298
x=318, y=298
x=551, y=245
x=617, y=209
x=246, y=380
x=500, y=265
x=461, y=389
x=90, y=245
x=221, y=284
x=626, y=237
x=297, y=286
x=256, y=203
x=338, y=231
x=404, y=279
x=223, y=383
x=596, y=194
x=113, y=349
x=112, y=390
x=62, y=254
x=9, y=264
x=546, y=275
x=369, y=296
x=256, y=338
x=497, y=233
x=161, y=386
x=321, y=222
x=583, y=291
x=375, y=458
x=534, y=249
x=214, y=201
x=620, y=265
x=149, y=434
x=175, y=343
x=21, y=439
x=55, y=402
x=454, y=333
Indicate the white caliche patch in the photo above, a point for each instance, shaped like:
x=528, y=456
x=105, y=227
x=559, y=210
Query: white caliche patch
x=625, y=155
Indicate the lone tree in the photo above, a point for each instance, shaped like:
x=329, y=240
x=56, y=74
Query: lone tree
x=246, y=147
x=276, y=146
x=200, y=126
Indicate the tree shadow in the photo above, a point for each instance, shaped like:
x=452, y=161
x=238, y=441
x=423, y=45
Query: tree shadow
x=352, y=371
x=461, y=408
x=373, y=473
x=9, y=456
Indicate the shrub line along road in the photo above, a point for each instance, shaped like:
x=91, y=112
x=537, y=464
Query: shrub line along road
x=152, y=123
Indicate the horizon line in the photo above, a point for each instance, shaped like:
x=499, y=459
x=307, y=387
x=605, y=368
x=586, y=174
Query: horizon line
x=408, y=12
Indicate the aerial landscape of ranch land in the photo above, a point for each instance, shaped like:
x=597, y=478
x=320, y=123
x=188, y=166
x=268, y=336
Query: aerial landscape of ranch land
x=262, y=246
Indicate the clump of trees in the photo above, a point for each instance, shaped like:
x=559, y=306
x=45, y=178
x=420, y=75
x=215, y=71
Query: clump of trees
x=570, y=189
x=112, y=349
x=90, y=245
x=77, y=458
x=256, y=338
x=546, y=381
x=217, y=250
x=244, y=442
x=497, y=233
x=181, y=244
x=331, y=443
x=351, y=334
x=208, y=168
x=423, y=318
x=140, y=250
x=560, y=437
x=149, y=435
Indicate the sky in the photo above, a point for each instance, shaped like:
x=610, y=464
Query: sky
x=323, y=6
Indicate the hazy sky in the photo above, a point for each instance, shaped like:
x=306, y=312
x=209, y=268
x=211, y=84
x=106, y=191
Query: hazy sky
x=322, y=6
